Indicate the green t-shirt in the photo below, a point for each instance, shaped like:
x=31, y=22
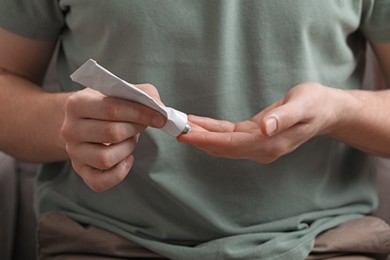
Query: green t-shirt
x=228, y=60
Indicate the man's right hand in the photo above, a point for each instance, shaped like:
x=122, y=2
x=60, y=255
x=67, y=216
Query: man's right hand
x=101, y=134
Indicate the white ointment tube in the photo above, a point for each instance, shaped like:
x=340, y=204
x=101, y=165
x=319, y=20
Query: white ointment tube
x=94, y=76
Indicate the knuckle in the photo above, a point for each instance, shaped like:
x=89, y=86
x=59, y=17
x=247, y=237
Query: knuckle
x=105, y=161
x=150, y=90
x=65, y=131
x=107, y=180
x=71, y=103
x=92, y=178
x=95, y=180
x=289, y=120
x=111, y=110
x=141, y=116
x=96, y=186
x=68, y=148
x=113, y=133
x=144, y=116
x=119, y=176
x=77, y=168
x=131, y=144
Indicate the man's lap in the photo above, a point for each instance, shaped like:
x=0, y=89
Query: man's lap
x=60, y=237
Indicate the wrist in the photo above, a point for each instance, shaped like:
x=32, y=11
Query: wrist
x=345, y=112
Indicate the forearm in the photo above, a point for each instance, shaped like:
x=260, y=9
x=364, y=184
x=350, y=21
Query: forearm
x=364, y=121
x=31, y=120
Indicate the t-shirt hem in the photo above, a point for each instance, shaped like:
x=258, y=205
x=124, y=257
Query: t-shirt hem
x=299, y=252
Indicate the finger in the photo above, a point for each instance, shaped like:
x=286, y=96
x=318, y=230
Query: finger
x=208, y=126
x=84, y=105
x=151, y=91
x=211, y=124
x=230, y=140
x=247, y=126
x=204, y=124
x=283, y=117
x=287, y=141
x=234, y=145
x=98, y=180
x=258, y=117
x=101, y=156
x=98, y=131
x=255, y=147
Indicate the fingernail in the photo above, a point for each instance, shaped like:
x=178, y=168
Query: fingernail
x=271, y=125
x=158, y=121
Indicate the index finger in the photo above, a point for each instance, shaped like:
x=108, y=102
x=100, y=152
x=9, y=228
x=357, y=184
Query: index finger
x=86, y=104
x=217, y=140
x=211, y=124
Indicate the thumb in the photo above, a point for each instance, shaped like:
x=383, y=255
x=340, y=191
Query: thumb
x=282, y=118
x=151, y=91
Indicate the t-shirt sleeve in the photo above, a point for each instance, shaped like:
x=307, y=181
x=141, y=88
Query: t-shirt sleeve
x=35, y=19
x=375, y=23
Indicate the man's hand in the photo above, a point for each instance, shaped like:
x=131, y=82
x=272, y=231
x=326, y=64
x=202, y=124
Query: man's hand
x=307, y=110
x=101, y=134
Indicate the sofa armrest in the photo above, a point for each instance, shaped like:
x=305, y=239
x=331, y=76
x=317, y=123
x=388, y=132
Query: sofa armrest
x=383, y=181
x=8, y=205
x=18, y=221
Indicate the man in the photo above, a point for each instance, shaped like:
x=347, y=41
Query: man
x=302, y=169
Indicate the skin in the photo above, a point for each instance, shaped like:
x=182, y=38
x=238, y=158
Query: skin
x=99, y=134
x=356, y=117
